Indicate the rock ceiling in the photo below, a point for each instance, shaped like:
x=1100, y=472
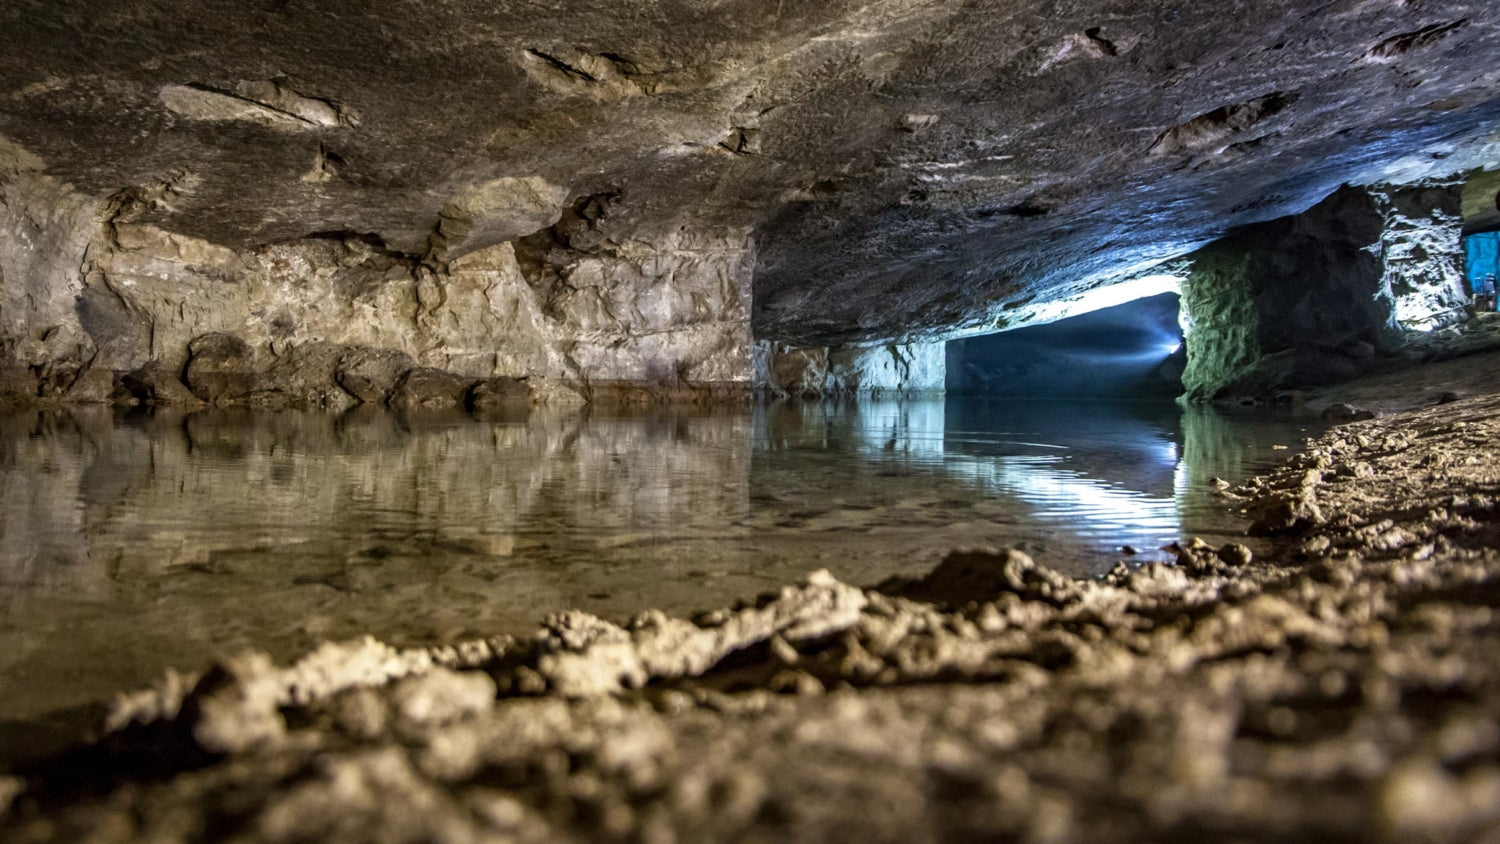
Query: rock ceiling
x=906, y=167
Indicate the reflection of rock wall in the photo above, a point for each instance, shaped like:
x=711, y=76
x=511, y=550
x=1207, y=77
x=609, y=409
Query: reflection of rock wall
x=303, y=487
x=137, y=543
x=881, y=426
x=1289, y=303
x=872, y=370
x=84, y=282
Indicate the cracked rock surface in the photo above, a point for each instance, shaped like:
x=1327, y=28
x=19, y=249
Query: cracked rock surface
x=1343, y=687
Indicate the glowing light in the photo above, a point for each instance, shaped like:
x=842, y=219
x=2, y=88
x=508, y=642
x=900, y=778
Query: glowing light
x=1099, y=298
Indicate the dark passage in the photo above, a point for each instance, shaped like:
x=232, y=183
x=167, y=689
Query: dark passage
x=1132, y=350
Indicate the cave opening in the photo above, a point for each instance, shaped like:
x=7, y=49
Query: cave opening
x=1133, y=350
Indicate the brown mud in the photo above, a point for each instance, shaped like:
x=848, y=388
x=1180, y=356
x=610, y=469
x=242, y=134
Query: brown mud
x=1344, y=687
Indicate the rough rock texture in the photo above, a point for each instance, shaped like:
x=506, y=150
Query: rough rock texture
x=782, y=370
x=1327, y=295
x=905, y=169
x=109, y=291
x=1294, y=302
x=1481, y=200
x=1345, y=690
x=1420, y=246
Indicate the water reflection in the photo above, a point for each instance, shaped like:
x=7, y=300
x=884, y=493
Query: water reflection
x=1073, y=481
x=129, y=543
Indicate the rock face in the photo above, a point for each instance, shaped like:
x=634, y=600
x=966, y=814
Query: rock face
x=784, y=371
x=1420, y=247
x=1290, y=303
x=1322, y=296
x=570, y=194
x=1481, y=201
x=293, y=322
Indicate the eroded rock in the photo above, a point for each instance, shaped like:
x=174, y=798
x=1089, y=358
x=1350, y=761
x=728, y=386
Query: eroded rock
x=220, y=368
x=156, y=383
x=424, y=387
x=370, y=375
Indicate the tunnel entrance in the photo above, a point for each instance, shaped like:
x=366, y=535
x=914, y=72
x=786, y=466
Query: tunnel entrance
x=1129, y=351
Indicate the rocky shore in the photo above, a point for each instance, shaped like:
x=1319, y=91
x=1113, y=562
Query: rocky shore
x=1344, y=687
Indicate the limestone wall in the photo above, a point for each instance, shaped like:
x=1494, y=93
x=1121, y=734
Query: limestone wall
x=86, y=287
x=906, y=369
x=1481, y=201
x=1323, y=296
x=1420, y=245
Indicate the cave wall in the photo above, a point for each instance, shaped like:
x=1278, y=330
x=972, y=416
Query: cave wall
x=1481, y=202
x=1290, y=303
x=90, y=292
x=1422, y=228
x=1322, y=296
x=822, y=372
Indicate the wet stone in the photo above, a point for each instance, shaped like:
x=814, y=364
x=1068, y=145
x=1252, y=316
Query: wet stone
x=429, y=388
x=370, y=374
x=156, y=383
x=220, y=368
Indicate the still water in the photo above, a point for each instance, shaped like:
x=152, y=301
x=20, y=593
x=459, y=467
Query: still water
x=131, y=543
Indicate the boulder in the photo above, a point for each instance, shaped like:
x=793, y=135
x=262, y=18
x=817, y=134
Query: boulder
x=221, y=368
x=425, y=387
x=156, y=383
x=370, y=375
x=96, y=384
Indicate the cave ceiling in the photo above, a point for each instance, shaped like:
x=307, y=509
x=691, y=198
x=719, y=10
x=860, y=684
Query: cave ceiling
x=905, y=168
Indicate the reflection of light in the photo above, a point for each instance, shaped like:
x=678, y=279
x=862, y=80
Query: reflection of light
x=1065, y=494
x=1176, y=347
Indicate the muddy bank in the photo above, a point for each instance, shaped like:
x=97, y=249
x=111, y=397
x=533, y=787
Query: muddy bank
x=1342, y=688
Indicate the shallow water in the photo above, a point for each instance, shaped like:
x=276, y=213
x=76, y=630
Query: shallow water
x=130, y=543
